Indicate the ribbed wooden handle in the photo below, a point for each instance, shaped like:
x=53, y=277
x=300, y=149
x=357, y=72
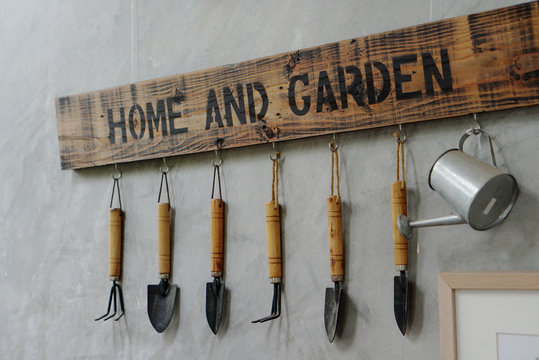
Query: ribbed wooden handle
x=336, y=254
x=115, y=243
x=163, y=237
x=398, y=206
x=217, y=207
x=273, y=239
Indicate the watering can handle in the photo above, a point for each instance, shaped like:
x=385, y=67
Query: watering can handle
x=477, y=131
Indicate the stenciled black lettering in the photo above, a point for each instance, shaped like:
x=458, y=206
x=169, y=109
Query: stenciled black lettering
x=230, y=102
x=401, y=78
x=131, y=120
x=292, y=95
x=251, y=103
x=213, y=108
x=154, y=118
x=430, y=70
x=116, y=124
x=342, y=87
x=172, y=115
x=386, y=82
x=265, y=102
x=325, y=85
x=356, y=89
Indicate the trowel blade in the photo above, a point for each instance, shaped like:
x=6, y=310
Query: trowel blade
x=400, y=300
x=331, y=311
x=161, y=308
x=215, y=292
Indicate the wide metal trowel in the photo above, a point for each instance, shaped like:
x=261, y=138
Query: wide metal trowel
x=336, y=260
x=162, y=297
x=215, y=291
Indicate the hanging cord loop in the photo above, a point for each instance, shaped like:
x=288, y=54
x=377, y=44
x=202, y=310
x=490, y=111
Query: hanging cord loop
x=275, y=180
x=400, y=158
x=333, y=147
x=116, y=185
x=216, y=171
x=164, y=173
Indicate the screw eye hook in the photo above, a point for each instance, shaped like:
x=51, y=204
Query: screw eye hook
x=218, y=161
x=117, y=174
x=164, y=168
x=333, y=144
x=476, y=128
x=401, y=135
x=277, y=154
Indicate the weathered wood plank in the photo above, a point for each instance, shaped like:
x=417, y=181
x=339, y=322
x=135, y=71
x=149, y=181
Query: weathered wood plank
x=469, y=64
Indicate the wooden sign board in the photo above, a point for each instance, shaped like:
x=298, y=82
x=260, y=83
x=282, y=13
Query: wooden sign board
x=469, y=64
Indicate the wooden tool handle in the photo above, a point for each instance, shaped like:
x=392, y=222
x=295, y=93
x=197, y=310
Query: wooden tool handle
x=163, y=238
x=115, y=243
x=273, y=240
x=336, y=254
x=398, y=206
x=217, y=207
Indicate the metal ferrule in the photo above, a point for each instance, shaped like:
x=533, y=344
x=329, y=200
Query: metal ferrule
x=401, y=267
x=336, y=278
x=164, y=276
x=114, y=278
x=216, y=273
x=275, y=280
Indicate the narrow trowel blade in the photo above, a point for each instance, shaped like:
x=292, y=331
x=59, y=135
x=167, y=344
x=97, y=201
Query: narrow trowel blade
x=214, y=304
x=400, y=301
x=331, y=311
x=161, y=308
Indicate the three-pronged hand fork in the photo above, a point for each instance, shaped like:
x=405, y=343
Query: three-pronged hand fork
x=115, y=254
x=112, y=296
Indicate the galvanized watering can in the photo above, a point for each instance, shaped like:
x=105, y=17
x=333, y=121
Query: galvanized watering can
x=482, y=194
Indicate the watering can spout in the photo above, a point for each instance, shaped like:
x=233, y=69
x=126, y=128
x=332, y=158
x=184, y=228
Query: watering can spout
x=406, y=227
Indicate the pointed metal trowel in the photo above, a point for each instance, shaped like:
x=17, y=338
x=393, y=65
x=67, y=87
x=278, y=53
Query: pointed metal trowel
x=336, y=259
x=215, y=291
x=400, y=248
x=162, y=297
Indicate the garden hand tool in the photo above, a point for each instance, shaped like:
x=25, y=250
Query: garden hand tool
x=336, y=254
x=162, y=297
x=273, y=240
x=215, y=291
x=115, y=254
x=400, y=243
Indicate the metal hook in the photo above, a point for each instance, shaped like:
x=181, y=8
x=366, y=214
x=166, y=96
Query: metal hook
x=165, y=168
x=401, y=135
x=476, y=128
x=218, y=154
x=277, y=153
x=117, y=177
x=218, y=157
x=333, y=145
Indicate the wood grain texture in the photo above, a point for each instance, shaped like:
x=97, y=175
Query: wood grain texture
x=336, y=252
x=273, y=241
x=398, y=207
x=449, y=282
x=115, y=243
x=163, y=238
x=469, y=64
x=217, y=207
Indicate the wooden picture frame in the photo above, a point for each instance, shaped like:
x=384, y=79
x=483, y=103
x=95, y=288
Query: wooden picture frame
x=448, y=283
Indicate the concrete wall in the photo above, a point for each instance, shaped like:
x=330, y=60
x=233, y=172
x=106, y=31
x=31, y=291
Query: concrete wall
x=53, y=253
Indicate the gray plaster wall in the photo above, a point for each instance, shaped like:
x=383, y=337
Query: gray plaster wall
x=53, y=253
